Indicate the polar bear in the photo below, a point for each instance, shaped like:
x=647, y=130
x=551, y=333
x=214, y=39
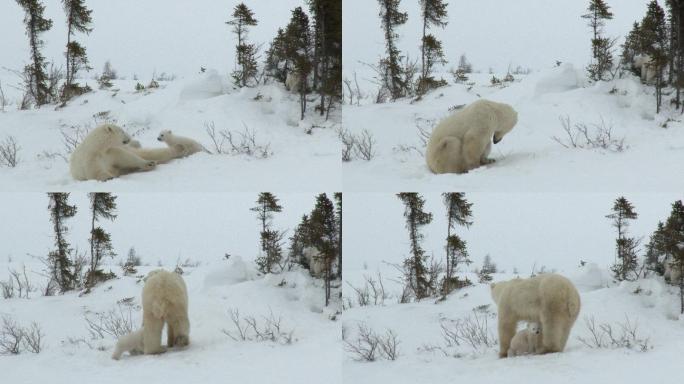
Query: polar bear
x=105, y=154
x=159, y=155
x=186, y=145
x=672, y=272
x=462, y=141
x=164, y=300
x=132, y=343
x=315, y=260
x=292, y=81
x=526, y=341
x=548, y=299
x=646, y=67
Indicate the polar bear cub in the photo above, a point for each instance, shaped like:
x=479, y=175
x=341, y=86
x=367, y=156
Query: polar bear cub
x=164, y=301
x=186, y=145
x=526, y=341
x=132, y=343
x=462, y=141
x=104, y=154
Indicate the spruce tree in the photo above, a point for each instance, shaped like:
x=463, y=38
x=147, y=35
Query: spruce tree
x=298, y=51
x=78, y=20
x=60, y=262
x=393, y=74
x=102, y=206
x=245, y=58
x=673, y=240
x=459, y=213
x=271, y=254
x=485, y=273
x=631, y=48
x=601, y=47
x=676, y=49
x=323, y=232
x=434, y=14
x=327, y=55
x=276, y=57
x=654, y=43
x=338, y=212
x=626, y=263
x=35, y=74
x=656, y=252
x=417, y=278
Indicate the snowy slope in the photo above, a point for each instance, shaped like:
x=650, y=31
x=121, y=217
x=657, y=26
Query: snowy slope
x=528, y=158
x=298, y=149
x=198, y=231
x=654, y=311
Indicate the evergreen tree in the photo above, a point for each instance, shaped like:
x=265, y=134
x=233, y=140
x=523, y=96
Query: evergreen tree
x=656, y=253
x=78, y=20
x=391, y=65
x=243, y=17
x=327, y=55
x=298, y=51
x=602, y=55
x=626, y=262
x=271, y=254
x=654, y=43
x=488, y=268
x=459, y=213
x=323, y=232
x=417, y=279
x=631, y=48
x=676, y=49
x=60, y=263
x=35, y=74
x=338, y=211
x=673, y=240
x=276, y=57
x=299, y=240
x=102, y=206
x=434, y=14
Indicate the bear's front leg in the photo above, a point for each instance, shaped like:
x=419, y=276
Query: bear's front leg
x=126, y=161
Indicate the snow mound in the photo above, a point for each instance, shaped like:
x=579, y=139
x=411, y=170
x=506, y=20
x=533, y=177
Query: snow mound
x=203, y=86
x=561, y=79
x=590, y=278
x=235, y=272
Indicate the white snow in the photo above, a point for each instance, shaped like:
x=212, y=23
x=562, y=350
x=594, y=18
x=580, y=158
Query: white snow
x=200, y=228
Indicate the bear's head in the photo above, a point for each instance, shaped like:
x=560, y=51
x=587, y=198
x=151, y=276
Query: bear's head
x=506, y=118
x=534, y=328
x=115, y=134
x=163, y=135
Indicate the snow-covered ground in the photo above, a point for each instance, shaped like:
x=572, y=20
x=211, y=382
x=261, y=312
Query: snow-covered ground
x=303, y=154
x=296, y=149
x=528, y=158
x=530, y=35
x=523, y=233
x=198, y=233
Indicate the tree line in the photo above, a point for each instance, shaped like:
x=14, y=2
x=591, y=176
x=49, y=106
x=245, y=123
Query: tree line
x=308, y=50
x=316, y=242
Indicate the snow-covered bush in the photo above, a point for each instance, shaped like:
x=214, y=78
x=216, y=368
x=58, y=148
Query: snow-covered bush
x=369, y=346
x=472, y=331
x=592, y=136
x=115, y=322
x=248, y=328
x=371, y=293
x=237, y=142
x=14, y=338
x=9, y=150
x=620, y=335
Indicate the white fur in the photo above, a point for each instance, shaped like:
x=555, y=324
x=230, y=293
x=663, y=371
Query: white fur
x=314, y=258
x=165, y=301
x=105, y=154
x=186, y=145
x=132, y=343
x=526, y=341
x=462, y=141
x=648, y=72
x=292, y=82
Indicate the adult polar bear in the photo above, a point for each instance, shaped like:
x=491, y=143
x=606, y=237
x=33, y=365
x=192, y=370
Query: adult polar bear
x=108, y=152
x=548, y=299
x=164, y=300
x=462, y=141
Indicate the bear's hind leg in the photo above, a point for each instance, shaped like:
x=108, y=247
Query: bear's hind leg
x=552, y=334
x=152, y=336
x=170, y=335
x=126, y=161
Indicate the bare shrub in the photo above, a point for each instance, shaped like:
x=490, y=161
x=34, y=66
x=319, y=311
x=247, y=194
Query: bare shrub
x=249, y=328
x=74, y=136
x=353, y=90
x=348, y=143
x=622, y=335
x=20, y=283
x=581, y=135
x=9, y=150
x=3, y=99
x=372, y=292
x=11, y=336
x=115, y=322
x=237, y=142
x=7, y=289
x=472, y=331
x=33, y=338
x=369, y=346
x=361, y=146
x=424, y=127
